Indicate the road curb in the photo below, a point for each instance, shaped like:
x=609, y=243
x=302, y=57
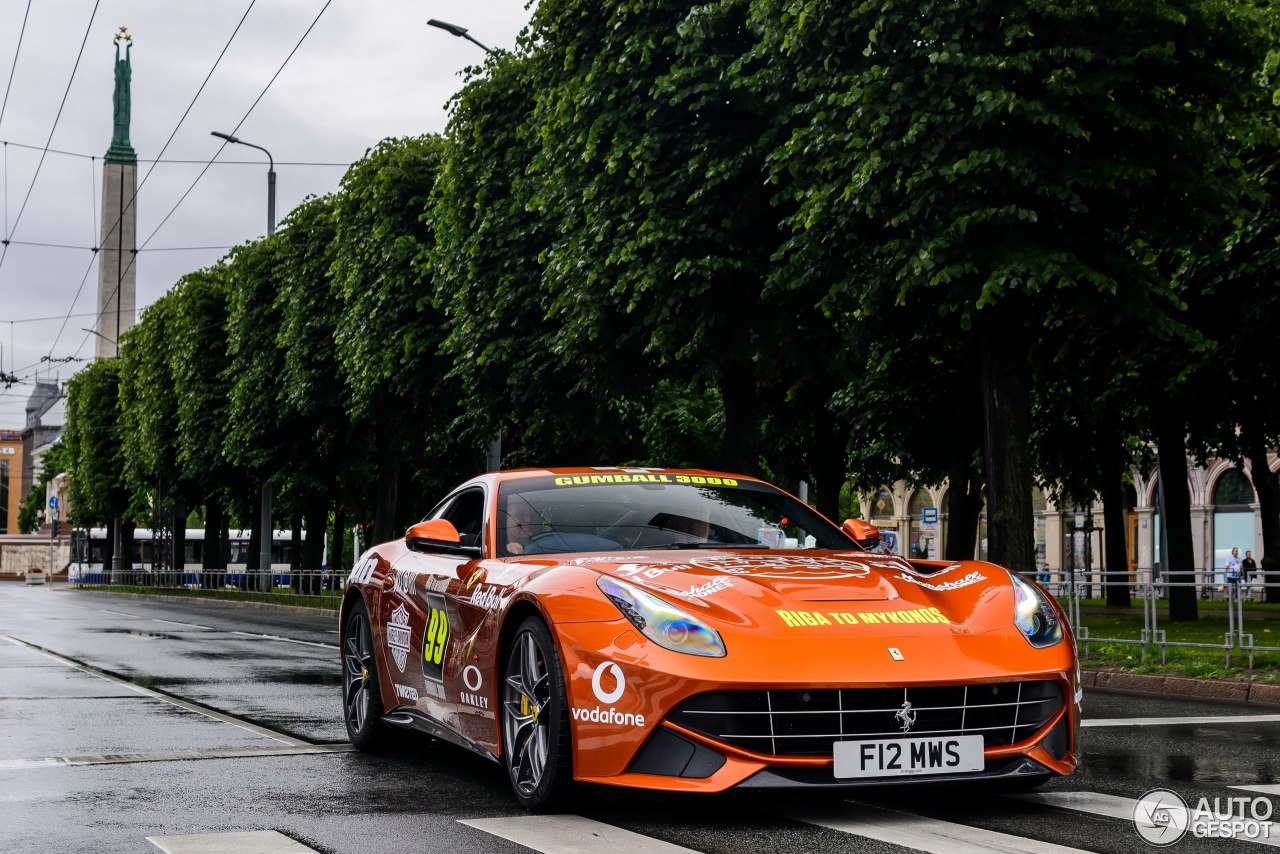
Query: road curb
x=1182, y=687
x=223, y=603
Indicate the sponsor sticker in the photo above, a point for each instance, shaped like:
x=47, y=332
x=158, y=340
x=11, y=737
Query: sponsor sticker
x=435, y=638
x=700, y=591
x=363, y=571
x=398, y=635
x=972, y=578
x=689, y=479
x=405, y=583
x=406, y=692
x=486, y=596
x=788, y=568
x=808, y=619
x=608, y=684
x=474, y=680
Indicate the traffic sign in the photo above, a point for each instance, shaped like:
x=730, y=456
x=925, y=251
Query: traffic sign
x=53, y=502
x=930, y=515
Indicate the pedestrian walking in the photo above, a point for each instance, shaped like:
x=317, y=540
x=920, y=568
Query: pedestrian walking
x=1233, y=567
x=1248, y=569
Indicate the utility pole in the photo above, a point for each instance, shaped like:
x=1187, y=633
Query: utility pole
x=265, y=519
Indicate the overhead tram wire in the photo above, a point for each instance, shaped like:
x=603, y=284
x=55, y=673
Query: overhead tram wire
x=134, y=198
x=172, y=160
x=22, y=32
x=5, y=252
x=243, y=119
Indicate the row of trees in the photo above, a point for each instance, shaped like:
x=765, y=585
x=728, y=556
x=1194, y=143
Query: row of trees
x=994, y=243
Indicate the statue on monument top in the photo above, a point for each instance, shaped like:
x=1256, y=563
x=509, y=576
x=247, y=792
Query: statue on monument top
x=121, y=149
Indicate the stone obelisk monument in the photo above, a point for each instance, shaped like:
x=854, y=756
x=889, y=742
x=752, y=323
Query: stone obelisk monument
x=117, y=273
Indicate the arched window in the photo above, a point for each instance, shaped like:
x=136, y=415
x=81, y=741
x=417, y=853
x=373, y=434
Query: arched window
x=922, y=537
x=1233, y=490
x=882, y=504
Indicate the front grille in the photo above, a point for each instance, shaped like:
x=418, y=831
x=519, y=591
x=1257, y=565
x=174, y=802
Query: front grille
x=807, y=722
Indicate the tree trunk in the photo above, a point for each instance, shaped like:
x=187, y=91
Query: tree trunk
x=828, y=469
x=337, y=567
x=126, y=550
x=1006, y=438
x=251, y=560
x=1264, y=483
x=295, y=552
x=964, y=506
x=387, y=492
x=1179, y=561
x=179, y=527
x=740, y=451
x=1115, y=534
x=211, y=552
x=317, y=517
x=108, y=552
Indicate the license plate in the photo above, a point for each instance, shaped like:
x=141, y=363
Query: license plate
x=904, y=757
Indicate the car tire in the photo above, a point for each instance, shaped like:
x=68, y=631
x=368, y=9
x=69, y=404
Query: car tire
x=536, y=747
x=361, y=690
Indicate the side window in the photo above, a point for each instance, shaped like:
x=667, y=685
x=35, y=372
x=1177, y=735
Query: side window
x=466, y=512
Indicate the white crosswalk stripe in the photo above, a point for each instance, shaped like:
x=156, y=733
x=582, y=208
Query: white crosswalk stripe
x=928, y=834
x=253, y=842
x=1263, y=788
x=572, y=834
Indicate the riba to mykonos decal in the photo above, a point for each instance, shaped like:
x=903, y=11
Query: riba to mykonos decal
x=1163, y=817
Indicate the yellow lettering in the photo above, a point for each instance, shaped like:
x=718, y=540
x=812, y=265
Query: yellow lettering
x=563, y=481
x=894, y=616
x=789, y=619
x=941, y=617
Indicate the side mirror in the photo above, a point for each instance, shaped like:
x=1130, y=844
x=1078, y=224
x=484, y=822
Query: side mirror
x=438, y=535
x=863, y=533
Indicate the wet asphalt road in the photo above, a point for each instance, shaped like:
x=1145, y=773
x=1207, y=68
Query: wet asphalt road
x=145, y=765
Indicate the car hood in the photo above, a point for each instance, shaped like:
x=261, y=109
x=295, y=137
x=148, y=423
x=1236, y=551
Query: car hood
x=779, y=578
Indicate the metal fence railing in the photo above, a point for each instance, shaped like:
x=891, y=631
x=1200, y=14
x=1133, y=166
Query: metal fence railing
x=1241, y=599
x=277, y=582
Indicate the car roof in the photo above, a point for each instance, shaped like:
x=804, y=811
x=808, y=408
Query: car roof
x=497, y=477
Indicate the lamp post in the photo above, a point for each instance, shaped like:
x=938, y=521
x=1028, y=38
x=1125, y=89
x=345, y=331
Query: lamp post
x=265, y=519
x=493, y=458
x=460, y=32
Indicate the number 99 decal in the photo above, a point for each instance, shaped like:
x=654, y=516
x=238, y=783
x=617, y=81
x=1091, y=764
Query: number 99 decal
x=434, y=639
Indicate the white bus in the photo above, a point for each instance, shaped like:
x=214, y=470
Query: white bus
x=89, y=546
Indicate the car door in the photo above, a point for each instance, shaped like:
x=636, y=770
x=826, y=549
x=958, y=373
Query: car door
x=415, y=613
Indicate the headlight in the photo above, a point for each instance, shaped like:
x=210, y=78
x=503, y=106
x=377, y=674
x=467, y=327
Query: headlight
x=1033, y=614
x=663, y=623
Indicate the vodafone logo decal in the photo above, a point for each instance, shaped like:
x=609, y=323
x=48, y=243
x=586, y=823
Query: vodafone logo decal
x=620, y=683
x=605, y=713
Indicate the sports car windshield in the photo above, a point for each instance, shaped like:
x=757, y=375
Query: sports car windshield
x=589, y=513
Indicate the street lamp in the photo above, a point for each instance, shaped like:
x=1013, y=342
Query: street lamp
x=460, y=32
x=493, y=459
x=99, y=334
x=265, y=519
x=271, y=176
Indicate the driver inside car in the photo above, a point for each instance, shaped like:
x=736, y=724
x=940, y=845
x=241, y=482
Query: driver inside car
x=523, y=523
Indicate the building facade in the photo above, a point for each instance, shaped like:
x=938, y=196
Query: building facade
x=1069, y=540
x=11, y=479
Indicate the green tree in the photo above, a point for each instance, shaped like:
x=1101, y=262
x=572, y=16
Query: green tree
x=97, y=492
x=1005, y=170
x=389, y=333
x=198, y=344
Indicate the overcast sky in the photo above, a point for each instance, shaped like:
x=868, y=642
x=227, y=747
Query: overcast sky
x=368, y=70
